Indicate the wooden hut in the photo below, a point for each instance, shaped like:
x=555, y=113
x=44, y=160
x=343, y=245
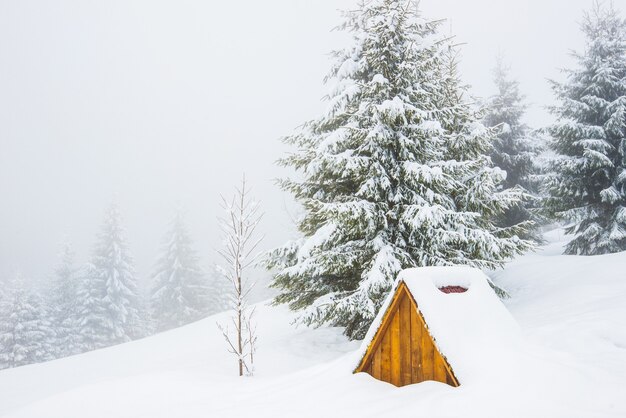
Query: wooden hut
x=435, y=320
x=403, y=351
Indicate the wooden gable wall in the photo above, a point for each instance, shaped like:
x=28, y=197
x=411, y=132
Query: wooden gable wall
x=403, y=351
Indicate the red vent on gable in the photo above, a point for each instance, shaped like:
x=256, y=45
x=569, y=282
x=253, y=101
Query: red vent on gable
x=453, y=289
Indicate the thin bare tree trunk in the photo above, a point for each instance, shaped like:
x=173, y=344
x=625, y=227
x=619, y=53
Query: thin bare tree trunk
x=239, y=228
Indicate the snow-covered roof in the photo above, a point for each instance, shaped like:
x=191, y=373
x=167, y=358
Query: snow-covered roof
x=473, y=329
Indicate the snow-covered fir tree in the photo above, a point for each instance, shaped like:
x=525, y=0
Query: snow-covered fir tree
x=393, y=175
x=63, y=301
x=220, y=290
x=26, y=332
x=91, y=316
x=146, y=316
x=180, y=290
x=588, y=186
x=514, y=149
x=108, y=310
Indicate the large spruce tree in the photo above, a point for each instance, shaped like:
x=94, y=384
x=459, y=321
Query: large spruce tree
x=514, y=149
x=393, y=175
x=180, y=292
x=588, y=187
x=108, y=302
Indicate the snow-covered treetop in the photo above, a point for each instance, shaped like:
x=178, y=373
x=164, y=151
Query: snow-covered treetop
x=589, y=186
x=394, y=172
x=507, y=106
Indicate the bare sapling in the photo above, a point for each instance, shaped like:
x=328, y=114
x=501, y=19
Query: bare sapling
x=239, y=229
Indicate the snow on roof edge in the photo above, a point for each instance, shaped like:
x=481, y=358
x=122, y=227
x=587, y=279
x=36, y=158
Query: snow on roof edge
x=376, y=324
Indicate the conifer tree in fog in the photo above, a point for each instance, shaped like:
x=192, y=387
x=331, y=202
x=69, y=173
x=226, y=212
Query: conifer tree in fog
x=26, y=332
x=108, y=301
x=180, y=292
x=588, y=186
x=220, y=290
x=394, y=174
x=514, y=149
x=63, y=301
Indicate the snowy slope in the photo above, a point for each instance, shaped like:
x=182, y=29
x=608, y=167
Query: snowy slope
x=571, y=310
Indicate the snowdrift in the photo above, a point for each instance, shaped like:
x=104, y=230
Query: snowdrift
x=570, y=362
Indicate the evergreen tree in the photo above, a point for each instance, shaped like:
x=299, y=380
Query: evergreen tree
x=108, y=310
x=514, y=150
x=220, y=290
x=146, y=316
x=6, y=331
x=180, y=291
x=394, y=174
x=588, y=187
x=26, y=334
x=91, y=317
x=63, y=300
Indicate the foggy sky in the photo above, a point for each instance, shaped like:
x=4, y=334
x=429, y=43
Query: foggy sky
x=157, y=104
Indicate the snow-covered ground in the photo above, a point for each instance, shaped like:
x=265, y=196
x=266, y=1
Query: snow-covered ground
x=572, y=312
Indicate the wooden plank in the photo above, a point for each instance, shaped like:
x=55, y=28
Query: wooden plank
x=441, y=373
x=450, y=377
x=376, y=363
x=385, y=356
x=416, y=353
x=450, y=380
x=394, y=330
x=428, y=351
x=405, y=341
